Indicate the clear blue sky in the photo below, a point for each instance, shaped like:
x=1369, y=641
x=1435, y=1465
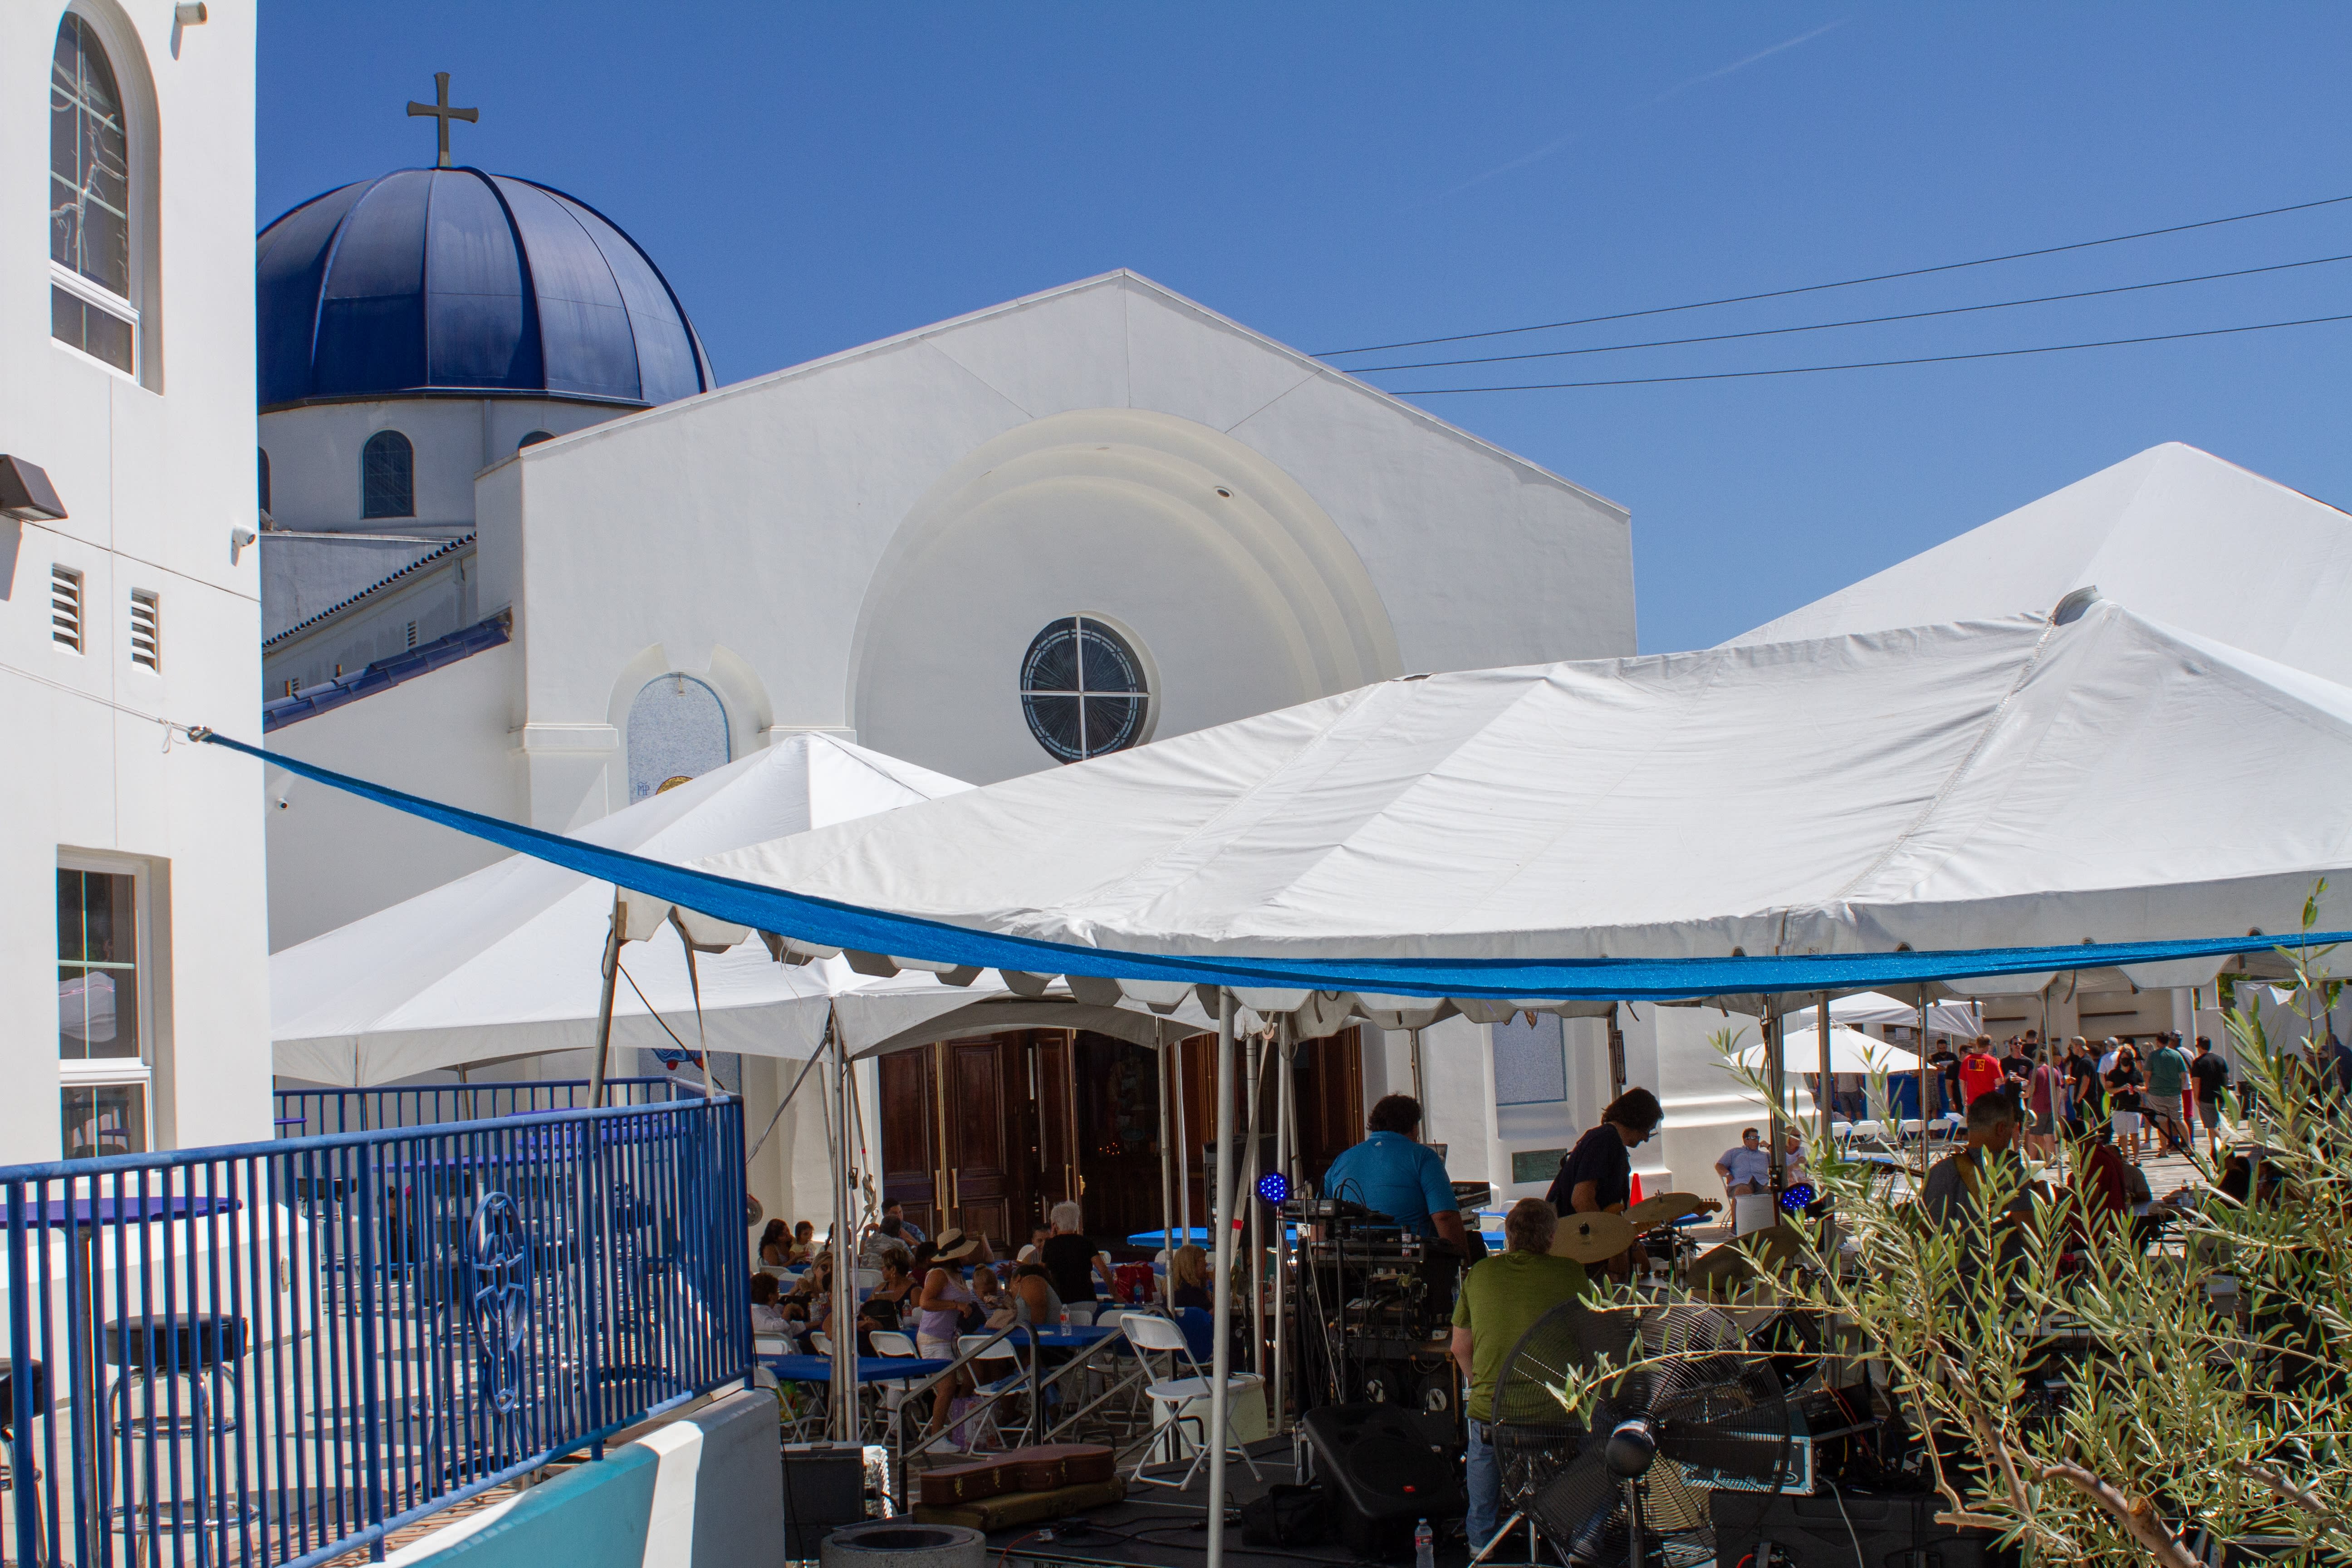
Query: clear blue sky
x=811, y=178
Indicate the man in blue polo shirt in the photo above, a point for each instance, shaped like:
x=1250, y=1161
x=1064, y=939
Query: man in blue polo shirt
x=1393, y=1173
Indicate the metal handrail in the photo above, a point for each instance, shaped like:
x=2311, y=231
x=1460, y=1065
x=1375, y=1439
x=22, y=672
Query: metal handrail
x=385, y=1107
x=273, y=1352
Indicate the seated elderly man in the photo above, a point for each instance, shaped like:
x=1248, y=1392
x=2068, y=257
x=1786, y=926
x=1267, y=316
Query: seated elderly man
x=1747, y=1169
x=1501, y=1297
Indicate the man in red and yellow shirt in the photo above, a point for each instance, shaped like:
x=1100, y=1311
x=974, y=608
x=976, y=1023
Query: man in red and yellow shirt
x=1981, y=1071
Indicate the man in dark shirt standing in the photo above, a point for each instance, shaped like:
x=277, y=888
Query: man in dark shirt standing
x=1947, y=1063
x=2208, y=1078
x=1598, y=1174
x=2085, y=1104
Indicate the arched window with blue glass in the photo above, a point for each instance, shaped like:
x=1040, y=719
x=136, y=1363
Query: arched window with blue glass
x=677, y=731
x=387, y=476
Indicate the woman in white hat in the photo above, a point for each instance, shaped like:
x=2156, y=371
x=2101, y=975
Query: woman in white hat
x=943, y=1302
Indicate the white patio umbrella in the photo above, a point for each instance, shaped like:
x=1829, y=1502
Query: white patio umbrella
x=1851, y=1051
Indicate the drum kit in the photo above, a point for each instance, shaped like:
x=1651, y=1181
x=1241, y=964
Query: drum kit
x=1595, y=1238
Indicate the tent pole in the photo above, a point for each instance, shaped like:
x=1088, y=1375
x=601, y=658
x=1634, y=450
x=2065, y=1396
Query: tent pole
x=1221, y=1356
x=1184, y=1158
x=1167, y=1162
x=1923, y=1085
x=1282, y=1158
x=1248, y=1196
x=1822, y=1035
x=1616, y=1055
x=844, y=1322
x=1777, y=1079
x=604, y=1009
x=1413, y=1051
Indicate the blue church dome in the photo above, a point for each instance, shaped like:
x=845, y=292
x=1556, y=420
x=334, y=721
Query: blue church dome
x=456, y=282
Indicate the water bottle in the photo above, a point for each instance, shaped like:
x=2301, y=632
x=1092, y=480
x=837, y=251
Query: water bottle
x=1425, y=1546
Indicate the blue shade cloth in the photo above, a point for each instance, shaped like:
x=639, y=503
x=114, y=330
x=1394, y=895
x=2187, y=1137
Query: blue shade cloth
x=829, y=924
x=1391, y=1175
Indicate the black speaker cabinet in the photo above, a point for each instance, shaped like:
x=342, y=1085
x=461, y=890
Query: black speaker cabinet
x=1383, y=1474
x=1876, y=1530
x=824, y=1487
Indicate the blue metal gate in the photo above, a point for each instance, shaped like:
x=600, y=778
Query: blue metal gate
x=276, y=1352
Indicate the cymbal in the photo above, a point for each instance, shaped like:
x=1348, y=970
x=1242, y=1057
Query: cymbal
x=1651, y=1213
x=1591, y=1238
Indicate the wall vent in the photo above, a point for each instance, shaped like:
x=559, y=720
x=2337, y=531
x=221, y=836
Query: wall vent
x=65, y=607
x=146, y=630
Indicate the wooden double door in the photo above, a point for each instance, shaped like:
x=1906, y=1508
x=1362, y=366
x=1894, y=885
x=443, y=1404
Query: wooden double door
x=959, y=1137
x=988, y=1133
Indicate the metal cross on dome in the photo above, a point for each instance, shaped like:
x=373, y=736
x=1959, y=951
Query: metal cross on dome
x=440, y=111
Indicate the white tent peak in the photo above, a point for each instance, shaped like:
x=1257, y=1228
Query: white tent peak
x=2180, y=535
x=2002, y=782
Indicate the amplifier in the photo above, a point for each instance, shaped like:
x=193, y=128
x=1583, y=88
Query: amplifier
x=1384, y=1474
x=824, y=1487
x=1900, y=1531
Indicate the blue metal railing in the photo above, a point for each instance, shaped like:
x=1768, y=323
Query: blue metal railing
x=315, y=1112
x=274, y=1353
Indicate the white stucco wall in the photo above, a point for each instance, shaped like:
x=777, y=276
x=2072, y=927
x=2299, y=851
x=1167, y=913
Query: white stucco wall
x=155, y=475
x=334, y=856
x=314, y=453
x=878, y=536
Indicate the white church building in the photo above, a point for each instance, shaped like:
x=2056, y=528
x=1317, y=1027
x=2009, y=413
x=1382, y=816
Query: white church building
x=137, y=1015
x=523, y=556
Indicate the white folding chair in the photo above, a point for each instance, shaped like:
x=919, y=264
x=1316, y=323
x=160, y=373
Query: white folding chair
x=865, y=1279
x=1078, y=1314
x=1868, y=1132
x=898, y=1347
x=1910, y=1128
x=996, y=1370
x=1151, y=1334
x=1840, y=1132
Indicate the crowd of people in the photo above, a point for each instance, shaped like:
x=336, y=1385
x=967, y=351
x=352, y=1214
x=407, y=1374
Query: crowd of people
x=2150, y=1097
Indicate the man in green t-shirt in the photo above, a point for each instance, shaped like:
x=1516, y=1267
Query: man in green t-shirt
x=2168, y=1081
x=1499, y=1301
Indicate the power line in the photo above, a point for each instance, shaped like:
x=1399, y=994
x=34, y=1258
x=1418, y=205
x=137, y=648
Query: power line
x=1877, y=363
x=1857, y=321
x=1842, y=283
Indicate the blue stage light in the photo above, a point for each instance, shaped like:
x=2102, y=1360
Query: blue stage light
x=1795, y=1199
x=1274, y=1186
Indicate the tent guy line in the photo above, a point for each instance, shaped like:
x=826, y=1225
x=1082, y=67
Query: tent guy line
x=809, y=919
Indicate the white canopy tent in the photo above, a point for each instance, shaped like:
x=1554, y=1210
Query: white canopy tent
x=506, y=963
x=2087, y=777
x=2090, y=776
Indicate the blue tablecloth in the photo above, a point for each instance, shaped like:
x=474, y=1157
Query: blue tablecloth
x=870, y=1368
x=1070, y=1336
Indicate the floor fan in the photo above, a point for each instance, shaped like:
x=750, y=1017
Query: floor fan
x=1624, y=1479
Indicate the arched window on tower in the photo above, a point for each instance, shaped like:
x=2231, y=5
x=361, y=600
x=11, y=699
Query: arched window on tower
x=264, y=452
x=677, y=731
x=387, y=476
x=92, y=305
